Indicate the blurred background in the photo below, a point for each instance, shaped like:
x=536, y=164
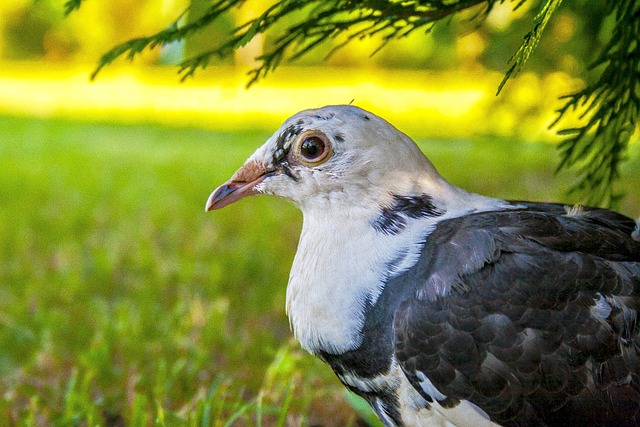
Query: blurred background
x=121, y=301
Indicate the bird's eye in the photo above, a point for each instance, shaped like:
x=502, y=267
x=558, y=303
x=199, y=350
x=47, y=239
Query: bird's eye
x=312, y=148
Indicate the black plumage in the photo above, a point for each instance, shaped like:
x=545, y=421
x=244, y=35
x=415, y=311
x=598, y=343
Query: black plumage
x=393, y=218
x=531, y=314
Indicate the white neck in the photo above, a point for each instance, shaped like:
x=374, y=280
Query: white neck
x=341, y=263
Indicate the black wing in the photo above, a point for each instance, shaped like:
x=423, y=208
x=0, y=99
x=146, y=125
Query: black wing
x=530, y=314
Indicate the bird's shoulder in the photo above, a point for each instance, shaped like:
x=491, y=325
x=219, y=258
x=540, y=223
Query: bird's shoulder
x=540, y=237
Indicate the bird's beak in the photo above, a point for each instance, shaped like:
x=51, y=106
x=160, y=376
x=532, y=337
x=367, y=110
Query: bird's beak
x=241, y=184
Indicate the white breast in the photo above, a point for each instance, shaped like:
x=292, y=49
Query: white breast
x=342, y=263
x=339, y=267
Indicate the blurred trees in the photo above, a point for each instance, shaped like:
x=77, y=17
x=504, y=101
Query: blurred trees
x=34, y=30
x=37, y=29
x=596, y=40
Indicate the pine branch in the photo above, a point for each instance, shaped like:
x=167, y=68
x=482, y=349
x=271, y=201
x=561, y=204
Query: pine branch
x=531, y=40
x=611, y=108
x=330, y=19
x=174, y=32
x=71, y=5
x=392, y=20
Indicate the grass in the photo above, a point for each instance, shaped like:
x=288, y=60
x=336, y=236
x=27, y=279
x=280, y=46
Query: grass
x=121, y=301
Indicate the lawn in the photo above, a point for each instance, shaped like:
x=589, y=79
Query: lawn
x=122, y=301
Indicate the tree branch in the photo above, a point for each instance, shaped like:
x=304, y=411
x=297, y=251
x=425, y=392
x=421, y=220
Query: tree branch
x=611, y=107
x=328, y=20
x=530, y=42
x=71, y=5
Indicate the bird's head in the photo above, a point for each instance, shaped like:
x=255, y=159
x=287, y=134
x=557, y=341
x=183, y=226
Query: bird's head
x=330, y=155
x=369, y=198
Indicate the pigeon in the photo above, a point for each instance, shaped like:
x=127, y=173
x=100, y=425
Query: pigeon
x=439, y=306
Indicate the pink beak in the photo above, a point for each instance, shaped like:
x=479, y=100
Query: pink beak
x=241, y=184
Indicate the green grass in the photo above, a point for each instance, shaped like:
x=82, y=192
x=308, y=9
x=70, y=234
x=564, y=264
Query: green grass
x=121, y=300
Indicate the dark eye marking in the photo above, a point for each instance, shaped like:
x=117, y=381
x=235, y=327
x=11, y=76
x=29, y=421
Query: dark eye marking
x=283, y=143
x=287, y=134
x=338, y=137
x=287, y=171
x=279, y=155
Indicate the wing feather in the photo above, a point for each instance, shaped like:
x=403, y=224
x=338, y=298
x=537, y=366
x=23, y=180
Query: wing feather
x=529, y=314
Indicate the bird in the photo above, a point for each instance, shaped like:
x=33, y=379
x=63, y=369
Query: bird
x=440, y=306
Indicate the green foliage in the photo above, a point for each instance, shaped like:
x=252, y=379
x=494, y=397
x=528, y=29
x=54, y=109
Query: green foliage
x=323, y=21
x=611, y=109
x=363, y=408
x=172, y=33
x=597, y=147
x=71, y=5
x=531, y=40
x=122, y=300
